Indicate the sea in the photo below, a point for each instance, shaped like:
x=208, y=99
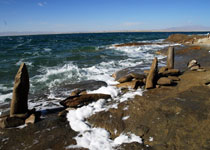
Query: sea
x=55, y=61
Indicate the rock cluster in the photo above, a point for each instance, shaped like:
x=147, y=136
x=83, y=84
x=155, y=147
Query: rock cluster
x=193, y=65
x=19, y=113
x=152, y=78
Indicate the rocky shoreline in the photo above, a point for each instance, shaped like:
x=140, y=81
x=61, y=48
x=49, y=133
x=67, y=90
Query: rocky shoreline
x=167, y=117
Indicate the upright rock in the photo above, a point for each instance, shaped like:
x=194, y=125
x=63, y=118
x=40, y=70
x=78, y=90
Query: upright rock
x=19, y=103
x=170, y=58
x=150, y=82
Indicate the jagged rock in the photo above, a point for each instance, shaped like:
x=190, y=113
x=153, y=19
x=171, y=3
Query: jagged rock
x=133, y=84
x=170, y=72
x=19, y=103
x=8, y=122
x=31, y=119
x=164, y=81
x=174, y=78
x=138, y=76
x=78, y=92
x=150, y=82
x=76, y=101
x=125, y=79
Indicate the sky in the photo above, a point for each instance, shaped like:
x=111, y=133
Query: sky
x=101, y=15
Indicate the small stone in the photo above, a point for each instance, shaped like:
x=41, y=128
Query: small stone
x=31, y=119
x=192, y=63
x=195, y=68
x=164, y=81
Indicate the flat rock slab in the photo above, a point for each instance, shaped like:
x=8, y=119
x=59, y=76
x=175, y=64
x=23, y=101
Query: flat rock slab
x=76, y=101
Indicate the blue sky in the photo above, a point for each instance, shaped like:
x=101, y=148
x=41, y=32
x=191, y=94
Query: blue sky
x=101, y=15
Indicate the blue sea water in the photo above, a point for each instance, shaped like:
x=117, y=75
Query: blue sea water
x=57, y=60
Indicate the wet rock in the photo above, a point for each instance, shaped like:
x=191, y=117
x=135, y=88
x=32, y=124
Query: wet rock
x=150, y=82
x=170, y=72
x=201, y=70
x=133, y=84
x=78, y=92
x=125, y=79
x=19, y=103
x=8, y=122
x=76, y=101
x=146, y=72
x=164, y=81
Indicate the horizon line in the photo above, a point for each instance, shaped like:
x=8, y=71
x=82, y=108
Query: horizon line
x=25, y=33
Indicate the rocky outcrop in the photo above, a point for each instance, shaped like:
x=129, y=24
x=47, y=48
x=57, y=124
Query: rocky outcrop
x=78, y=101
x=78, y=92
x=19, y=103
x=170, y=58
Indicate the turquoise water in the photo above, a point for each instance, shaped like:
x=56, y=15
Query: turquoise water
x=57, y=60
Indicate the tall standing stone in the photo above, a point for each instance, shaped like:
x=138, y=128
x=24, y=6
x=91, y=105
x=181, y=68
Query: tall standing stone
x=19, y=103
x=170, y=59
x=150, y=82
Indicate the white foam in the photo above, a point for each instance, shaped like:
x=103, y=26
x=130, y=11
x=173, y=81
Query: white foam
x=3, y=97
x=91, y=137
x=47, y=49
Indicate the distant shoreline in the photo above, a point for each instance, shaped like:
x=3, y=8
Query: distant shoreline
x=54, y=33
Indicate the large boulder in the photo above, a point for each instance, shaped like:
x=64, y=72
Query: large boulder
x=76, y=101
x=19, y=103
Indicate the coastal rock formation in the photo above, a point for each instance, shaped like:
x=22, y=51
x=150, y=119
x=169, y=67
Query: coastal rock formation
x=80, y=100
x=150, y=81
x=19, y=103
